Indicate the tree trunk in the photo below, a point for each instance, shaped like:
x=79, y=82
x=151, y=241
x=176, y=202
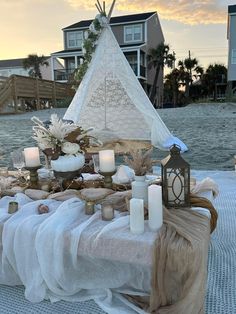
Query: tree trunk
x=215, y=92
x=175, y=96
x=187, y=87
x=154, y=86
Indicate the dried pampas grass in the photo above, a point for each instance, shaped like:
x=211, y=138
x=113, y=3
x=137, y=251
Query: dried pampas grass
x=140, y=161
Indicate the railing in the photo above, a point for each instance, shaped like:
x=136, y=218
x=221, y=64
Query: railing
x=142, y=70
x=63, y=74
x=18, y=87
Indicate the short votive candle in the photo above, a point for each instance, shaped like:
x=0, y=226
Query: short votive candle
x=136, y=216
x=32, y=157
x=107, y=212
x=107, y=160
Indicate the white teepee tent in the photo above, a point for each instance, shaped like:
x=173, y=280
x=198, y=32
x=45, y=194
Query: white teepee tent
x=111, y=99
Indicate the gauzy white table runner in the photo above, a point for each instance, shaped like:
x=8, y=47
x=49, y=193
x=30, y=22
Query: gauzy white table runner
x=68, y=255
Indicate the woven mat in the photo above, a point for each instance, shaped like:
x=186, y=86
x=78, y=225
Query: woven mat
x=221, y=283
x=12, y=301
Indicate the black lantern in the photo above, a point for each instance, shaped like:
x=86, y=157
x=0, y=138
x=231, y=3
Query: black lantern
x=175, y=172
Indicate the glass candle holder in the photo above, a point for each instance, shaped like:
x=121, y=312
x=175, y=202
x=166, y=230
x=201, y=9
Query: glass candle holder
x=107, y=212
x=12, y=207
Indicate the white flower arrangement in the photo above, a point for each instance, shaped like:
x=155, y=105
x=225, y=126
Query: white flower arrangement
x=70, y=148
x=61, y=137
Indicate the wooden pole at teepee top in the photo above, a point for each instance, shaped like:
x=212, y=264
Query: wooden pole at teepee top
x=104, y=7
x=111, y=9
x=98, y=8
x=99, y=4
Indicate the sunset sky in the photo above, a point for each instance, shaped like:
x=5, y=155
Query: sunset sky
x=34, y=26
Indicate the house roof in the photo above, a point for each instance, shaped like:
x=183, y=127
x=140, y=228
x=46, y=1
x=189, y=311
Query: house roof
x=13, y=63
x=69, y=50
x=114, y=20
x=232, y=9
x=131, y=45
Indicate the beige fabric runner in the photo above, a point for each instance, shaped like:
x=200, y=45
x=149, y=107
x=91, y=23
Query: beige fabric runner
x=180, y=262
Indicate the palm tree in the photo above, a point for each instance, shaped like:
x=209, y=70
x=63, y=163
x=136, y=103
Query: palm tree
x=173, y=82
x=215, y=74
x=190, y=67
x=157, y=58
x=33, y=62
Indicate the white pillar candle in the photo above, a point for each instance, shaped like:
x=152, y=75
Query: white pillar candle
x=136, y=216
x=32, y=157
x=155, y=214
x=106, y=160
x=179, y=192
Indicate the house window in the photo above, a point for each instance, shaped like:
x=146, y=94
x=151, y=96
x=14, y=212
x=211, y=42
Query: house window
x=142, y=59
x=233, y=56
x=74, y=39
x=133, y=33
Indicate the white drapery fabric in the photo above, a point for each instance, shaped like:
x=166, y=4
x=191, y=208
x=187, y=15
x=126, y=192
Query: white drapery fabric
x=111, y=99
x=42, y=253
x=67, y=255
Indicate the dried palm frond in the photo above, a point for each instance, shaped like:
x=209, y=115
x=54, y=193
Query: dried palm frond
x=140, y=162
x=60, y=129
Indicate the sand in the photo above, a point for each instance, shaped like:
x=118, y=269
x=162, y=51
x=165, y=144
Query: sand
x=209, y=131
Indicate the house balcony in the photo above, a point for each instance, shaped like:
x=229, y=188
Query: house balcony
x=63, y=75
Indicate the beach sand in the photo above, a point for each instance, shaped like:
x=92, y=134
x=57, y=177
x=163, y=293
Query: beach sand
x=209, y=131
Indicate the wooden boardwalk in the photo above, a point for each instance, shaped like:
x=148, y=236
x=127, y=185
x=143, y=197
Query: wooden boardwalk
x=21, y=90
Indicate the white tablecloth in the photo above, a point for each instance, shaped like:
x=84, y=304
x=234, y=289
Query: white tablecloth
x=67, y=255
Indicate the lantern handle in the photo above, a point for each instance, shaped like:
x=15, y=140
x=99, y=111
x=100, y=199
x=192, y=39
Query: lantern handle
x=175, y=149
x=175, y=145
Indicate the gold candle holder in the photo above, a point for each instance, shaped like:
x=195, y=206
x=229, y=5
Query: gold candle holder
x=107, y=178
x=33, y=176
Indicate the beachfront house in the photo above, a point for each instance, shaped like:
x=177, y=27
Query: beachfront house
x=136, y=34
x=15, y=66
x=232, y=49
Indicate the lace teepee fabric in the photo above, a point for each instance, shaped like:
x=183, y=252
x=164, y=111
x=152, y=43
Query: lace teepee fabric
x=111, y=98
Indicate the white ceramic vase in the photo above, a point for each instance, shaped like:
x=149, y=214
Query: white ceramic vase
x=68, y=163
x=140, y=189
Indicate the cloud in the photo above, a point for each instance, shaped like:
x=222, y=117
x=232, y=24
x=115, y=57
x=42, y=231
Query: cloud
x=184, y=11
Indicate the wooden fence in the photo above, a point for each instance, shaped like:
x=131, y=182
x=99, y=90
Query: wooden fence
x=32, y=90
